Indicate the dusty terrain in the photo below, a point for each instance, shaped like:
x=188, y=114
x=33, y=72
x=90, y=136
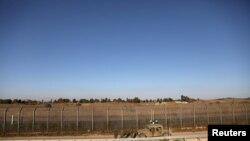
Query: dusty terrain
x=129, y=110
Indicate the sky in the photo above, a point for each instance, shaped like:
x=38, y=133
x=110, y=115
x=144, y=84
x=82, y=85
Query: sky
x=53, y=49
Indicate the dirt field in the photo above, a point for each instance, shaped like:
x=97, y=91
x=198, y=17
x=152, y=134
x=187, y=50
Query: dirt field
x=197, y=139
x=21, y=119
x=96, y=136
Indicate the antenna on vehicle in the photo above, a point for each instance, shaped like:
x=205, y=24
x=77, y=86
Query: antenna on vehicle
x=152, y=115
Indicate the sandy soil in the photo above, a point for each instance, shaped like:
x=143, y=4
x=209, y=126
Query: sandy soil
x=203, y=139
x=98, y=136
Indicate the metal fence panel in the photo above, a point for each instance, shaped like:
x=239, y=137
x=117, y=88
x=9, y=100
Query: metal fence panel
x=101, y=118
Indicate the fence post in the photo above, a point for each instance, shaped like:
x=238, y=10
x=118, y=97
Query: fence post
x=77, y=119
x=233, y=118
x=221, y=119
x=82, y=124
x=48, y=119
x=92, y=117
x=170, y=119
x=181, y=115
x=122, y=116
x=246, y=113
x=62, y=118
x=107, y=118
x=194, y=114
x=166, y=117
x=207, y=114
x=18, y=124
x=4, y=119
x=151, y=114
x=34, y=120
x=136, y=116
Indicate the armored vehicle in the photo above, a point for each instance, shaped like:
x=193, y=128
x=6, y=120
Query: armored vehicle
x=153, y=130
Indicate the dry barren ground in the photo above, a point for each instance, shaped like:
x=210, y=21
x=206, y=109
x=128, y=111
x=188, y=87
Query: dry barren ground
x=97, y=136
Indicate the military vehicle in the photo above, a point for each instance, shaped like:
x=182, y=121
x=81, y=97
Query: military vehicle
x=152, y=130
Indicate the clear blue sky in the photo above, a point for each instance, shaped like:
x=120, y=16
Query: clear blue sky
x=117, y=48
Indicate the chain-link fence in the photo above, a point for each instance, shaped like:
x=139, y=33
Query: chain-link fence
x=102, y=118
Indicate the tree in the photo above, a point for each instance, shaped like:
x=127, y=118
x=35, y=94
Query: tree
x=159, y=100
x=84, y=101
x=186, y=98
x=129, y=100
x=74, y=100
x=96, y=100
x=5, y=101
x=136, y=100
x=167, y=100
x=120, y=100
x=63, y=100
x=91, y=100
